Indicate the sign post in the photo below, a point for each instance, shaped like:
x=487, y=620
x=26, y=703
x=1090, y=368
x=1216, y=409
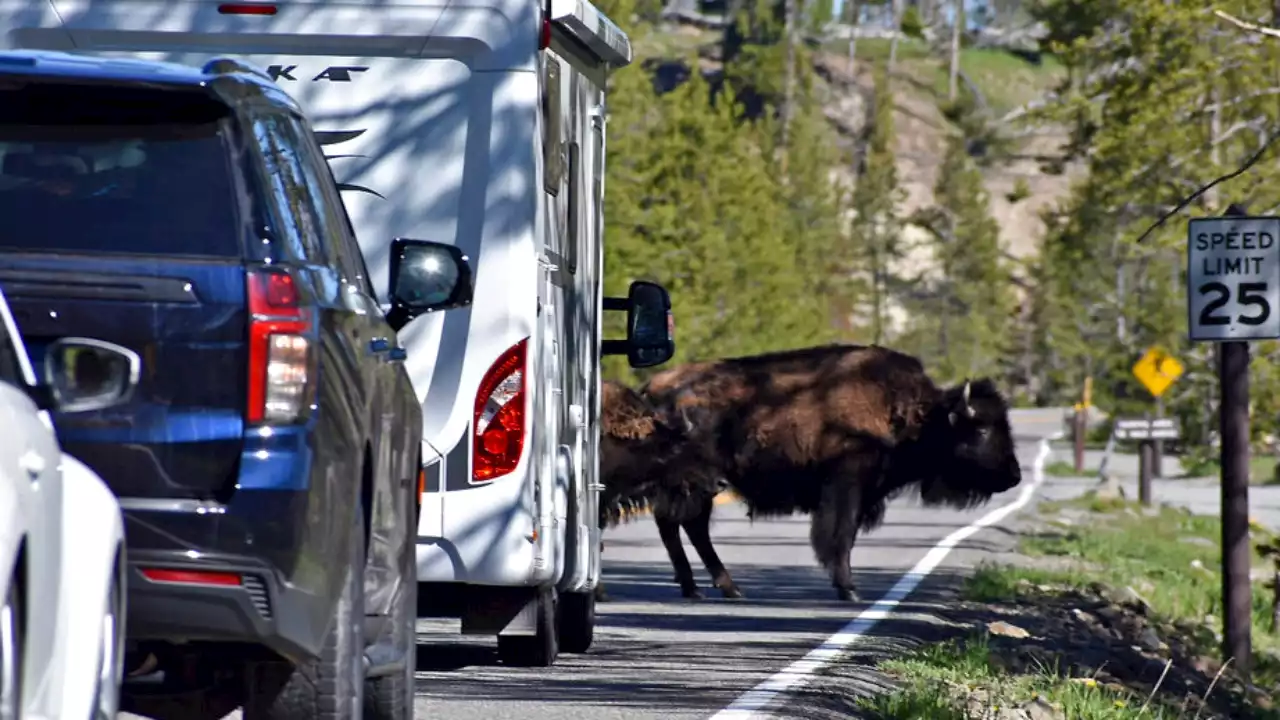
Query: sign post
x=1156, y=370
x=1079, y=423
x=1233, y=293
x=1147, y=432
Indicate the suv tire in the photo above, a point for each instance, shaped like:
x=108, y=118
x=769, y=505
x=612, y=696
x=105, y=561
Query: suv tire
x=390, y=697
x=332, y=687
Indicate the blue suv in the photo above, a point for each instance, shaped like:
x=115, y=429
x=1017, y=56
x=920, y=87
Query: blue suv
x=268, y=463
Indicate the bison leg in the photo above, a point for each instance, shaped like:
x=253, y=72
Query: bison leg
x=699, y=530
x=669, y=531
x=833, y=529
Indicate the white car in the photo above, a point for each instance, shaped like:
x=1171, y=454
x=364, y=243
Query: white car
x=61, y=535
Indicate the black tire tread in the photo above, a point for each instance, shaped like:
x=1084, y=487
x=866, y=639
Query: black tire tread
x=540, y=650
x=384, y=697
x=278, y=691
x=577, y=622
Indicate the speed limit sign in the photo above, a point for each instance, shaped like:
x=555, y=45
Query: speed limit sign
x=1233, y=278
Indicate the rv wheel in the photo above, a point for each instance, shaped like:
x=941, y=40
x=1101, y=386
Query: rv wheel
x=577, y=621
x=541, y=649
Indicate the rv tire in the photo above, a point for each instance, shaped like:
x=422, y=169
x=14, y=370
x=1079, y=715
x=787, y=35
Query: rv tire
x=540, y=649
x=577, y=621
x=330, y=687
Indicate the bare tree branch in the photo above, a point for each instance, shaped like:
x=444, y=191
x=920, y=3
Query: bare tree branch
x=1245, y=25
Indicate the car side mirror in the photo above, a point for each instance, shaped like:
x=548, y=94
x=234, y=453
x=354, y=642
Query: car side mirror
x=426, y=277
x=650, y=327
x=83, y=374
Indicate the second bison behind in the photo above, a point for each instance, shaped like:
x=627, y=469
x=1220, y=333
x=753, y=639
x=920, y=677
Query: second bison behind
x=833, y=431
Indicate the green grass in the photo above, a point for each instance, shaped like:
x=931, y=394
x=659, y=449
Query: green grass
x=1059, y=468
x=1113, y=542
x=938, y=677
x=1262, y=469
x=1005, y=80
x=1172, y=558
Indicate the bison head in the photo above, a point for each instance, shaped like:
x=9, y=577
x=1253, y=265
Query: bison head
x=972, y=449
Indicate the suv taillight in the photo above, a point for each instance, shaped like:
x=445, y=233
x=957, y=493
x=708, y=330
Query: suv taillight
x=281, y=367
x=498, y=425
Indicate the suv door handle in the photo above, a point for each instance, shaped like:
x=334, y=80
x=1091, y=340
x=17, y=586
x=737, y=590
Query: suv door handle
x=397, y=354
x=379, y=345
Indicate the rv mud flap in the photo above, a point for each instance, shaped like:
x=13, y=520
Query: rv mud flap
x=492, y=610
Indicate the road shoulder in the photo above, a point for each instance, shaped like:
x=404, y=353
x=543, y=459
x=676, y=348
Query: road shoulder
x=1100, y=608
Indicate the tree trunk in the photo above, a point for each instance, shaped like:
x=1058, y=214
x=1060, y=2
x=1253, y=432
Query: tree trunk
x=855, y=11
x=957, y=26
x=789, y=81
x=897, y=31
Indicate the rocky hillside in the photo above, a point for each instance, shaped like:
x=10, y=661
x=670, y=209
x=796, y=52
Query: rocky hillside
x=1003, y=80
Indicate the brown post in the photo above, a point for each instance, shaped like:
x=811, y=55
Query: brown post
x=1078, y=425
x=1146, y=449
x=1157, y=466
x=1234, y=428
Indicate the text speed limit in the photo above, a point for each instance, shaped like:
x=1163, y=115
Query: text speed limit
x=1233, y=278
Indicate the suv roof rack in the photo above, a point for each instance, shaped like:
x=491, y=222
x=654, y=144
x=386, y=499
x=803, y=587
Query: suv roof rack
x=227, y=65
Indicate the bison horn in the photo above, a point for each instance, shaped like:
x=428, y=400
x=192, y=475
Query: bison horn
x=688, y=424
x=968, y=409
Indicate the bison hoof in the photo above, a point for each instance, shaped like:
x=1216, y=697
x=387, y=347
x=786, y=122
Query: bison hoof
x=692, y=593
x=732, y=592
x=847, y=594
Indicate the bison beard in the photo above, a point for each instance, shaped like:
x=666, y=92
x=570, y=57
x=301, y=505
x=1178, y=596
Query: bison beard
x=834, y=431
x=637, y=451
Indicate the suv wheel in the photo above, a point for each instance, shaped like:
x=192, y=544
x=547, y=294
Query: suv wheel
x=540, y=649
x=332, y=687
x=577, y=621
x=390, y=697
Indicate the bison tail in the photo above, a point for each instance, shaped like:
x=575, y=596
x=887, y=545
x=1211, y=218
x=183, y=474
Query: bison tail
x=623, y=510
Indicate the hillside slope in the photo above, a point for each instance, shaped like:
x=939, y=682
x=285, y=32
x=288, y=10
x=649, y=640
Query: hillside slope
x=1003, y=80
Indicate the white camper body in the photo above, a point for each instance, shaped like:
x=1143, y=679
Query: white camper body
x=447, y=121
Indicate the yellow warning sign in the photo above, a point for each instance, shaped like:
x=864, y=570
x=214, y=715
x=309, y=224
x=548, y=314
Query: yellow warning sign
x=1157, y=370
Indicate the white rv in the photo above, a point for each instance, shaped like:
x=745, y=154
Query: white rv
x=479, y=123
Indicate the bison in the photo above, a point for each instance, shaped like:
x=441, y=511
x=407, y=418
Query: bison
x=833, y=431
x=639, y=451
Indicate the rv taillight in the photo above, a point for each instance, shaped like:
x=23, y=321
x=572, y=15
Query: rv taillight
x=246, y=9
x=544, y=39
x=281, y=359
x=498, y=424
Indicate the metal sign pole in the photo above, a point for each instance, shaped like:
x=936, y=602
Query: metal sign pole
x=1233, y=292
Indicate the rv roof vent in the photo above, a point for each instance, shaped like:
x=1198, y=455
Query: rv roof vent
x=227, y=65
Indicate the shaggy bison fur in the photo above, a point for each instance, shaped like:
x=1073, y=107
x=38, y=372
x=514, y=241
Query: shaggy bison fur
x=833, y=431
x=638, y=451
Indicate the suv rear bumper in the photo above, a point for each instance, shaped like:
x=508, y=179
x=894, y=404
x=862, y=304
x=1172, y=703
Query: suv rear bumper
x=251, y=579
x=259, y=610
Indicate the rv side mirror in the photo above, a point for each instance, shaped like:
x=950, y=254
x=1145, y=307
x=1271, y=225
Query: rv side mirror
x=650, y=328
x=426, y=277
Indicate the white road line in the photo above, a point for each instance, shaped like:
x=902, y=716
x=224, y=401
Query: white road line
x=751, y=704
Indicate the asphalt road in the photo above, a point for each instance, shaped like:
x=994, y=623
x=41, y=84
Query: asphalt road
x=657, y=655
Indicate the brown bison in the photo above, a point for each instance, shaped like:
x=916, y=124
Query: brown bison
x=639, y=455
x=834, y=431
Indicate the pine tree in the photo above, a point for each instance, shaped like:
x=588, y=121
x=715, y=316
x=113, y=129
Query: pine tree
x=961, y=323
x=875, y=231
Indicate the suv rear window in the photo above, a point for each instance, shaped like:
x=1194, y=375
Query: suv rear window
x=98, y=169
